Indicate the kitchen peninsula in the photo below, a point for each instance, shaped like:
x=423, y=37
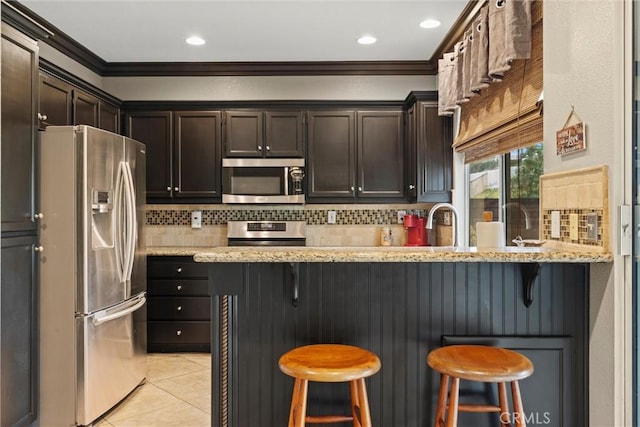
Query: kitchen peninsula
x=399, y=303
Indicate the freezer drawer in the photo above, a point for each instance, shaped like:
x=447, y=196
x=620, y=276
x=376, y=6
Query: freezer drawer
x=179, y=336
x=111, y=359
x=178, y=287
x=180, y=308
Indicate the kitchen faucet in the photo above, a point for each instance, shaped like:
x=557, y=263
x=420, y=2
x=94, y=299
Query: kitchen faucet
x=437, y=206
x=525, y=212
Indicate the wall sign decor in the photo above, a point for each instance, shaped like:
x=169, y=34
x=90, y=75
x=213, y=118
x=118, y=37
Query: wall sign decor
x=572, y=137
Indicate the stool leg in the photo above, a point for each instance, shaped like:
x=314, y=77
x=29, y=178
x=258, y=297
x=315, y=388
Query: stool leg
x=452, y=415
x=364, y=416
x=355, y=403
x=442, y=400
x=298, y=410
x=518, y=411
x=505, y=416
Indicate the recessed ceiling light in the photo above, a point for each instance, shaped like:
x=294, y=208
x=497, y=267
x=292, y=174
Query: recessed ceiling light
x=195, y=41
x=367, y=40
x=430, y=23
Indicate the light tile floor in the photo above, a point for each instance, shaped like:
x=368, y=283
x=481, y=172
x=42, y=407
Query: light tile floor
x=177, y=393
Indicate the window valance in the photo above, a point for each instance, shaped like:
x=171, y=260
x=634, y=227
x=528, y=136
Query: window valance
x=506, y=114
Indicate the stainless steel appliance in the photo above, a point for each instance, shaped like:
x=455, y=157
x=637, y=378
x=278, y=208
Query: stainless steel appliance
x=93, y=273
x=262, y=181
x=266, y=233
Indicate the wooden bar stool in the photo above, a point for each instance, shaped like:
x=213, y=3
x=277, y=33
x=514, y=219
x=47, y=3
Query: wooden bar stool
x=329, y=363
x=484, y=364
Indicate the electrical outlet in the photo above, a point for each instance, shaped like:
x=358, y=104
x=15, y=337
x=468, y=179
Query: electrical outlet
x=573, y=226
x=331, y=217
x=196, y=219
x=555, y=224
x=401, y=215
x=592, y=226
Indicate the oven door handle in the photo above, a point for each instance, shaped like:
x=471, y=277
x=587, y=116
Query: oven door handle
x=294, y=273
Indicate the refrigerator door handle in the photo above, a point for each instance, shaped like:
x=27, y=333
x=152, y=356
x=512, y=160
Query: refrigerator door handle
x=104, y=316
x=131, y=220
x=117, y=212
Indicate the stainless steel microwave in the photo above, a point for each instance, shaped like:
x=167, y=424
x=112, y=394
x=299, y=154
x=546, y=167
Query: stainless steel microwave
x=262, y=180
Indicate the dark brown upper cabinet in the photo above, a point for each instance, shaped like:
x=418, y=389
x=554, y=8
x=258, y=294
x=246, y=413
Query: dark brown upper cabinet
x=85, y=109
x=196, y=154
x=380, y=154
x=355, y=155
x=56, y=100
x=155, y=130
x=183, y=153
x=109, y=117
x=251, y=133
x=331, y=154
x=429, y=152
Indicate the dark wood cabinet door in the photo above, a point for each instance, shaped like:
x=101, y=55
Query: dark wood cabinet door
x=56, y=99
x=154, y=129
x=197, y=164
x=18, y=330
x=434, y=154
x=244, y=134
x=331, y=154
x=380, y=154
x=85, y=109
x=109, y=117
x=19, y=124
x=411, y=162
x=284, y=134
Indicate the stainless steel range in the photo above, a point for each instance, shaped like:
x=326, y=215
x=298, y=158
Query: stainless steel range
x=266, y=233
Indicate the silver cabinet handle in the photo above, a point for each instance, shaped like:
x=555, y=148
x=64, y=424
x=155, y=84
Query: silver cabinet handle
x=176, y=189
x=179, y=270
x=38, y=216
x=411, y=187
x=168, y=188
x=259, y=147
x=179, y=287
x=268, y=148
x=179, y=308
x=42, y=117
x=178, y=333
x=359, y=188
x=352, y=188
x=39, y=249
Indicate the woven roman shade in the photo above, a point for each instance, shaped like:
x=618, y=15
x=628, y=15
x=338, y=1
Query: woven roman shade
x=505, y=116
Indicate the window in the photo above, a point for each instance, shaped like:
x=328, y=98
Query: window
x=508, y=187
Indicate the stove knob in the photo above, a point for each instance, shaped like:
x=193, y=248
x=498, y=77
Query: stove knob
x=179, y=308
x=179, y=287
x=178, y=333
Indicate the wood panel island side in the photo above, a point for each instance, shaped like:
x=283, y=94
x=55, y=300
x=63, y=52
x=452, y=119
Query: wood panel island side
x=399, y=303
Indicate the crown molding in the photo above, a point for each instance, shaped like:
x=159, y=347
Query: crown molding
x=293, y=68
x=68, y=46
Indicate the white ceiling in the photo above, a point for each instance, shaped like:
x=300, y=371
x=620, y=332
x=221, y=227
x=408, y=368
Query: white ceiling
x=258, y=30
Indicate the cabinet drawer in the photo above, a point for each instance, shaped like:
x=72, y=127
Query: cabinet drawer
x=178, y=268
x=178, y=332
x=179, y=308
x=178, y=287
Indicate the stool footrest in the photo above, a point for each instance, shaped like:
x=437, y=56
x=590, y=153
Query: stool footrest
x=318, y=419
x=478, y=408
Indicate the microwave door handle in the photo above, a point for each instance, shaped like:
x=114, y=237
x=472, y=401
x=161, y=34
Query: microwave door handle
x=286, y=180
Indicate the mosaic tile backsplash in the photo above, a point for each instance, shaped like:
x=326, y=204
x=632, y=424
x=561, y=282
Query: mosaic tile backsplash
x=579, y=191
x=582, y=226
x=312, y=217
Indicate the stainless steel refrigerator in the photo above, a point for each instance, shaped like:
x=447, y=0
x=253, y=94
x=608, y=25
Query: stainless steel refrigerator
x=92, y=272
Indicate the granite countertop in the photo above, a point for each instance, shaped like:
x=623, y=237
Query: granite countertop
x=384, y=254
